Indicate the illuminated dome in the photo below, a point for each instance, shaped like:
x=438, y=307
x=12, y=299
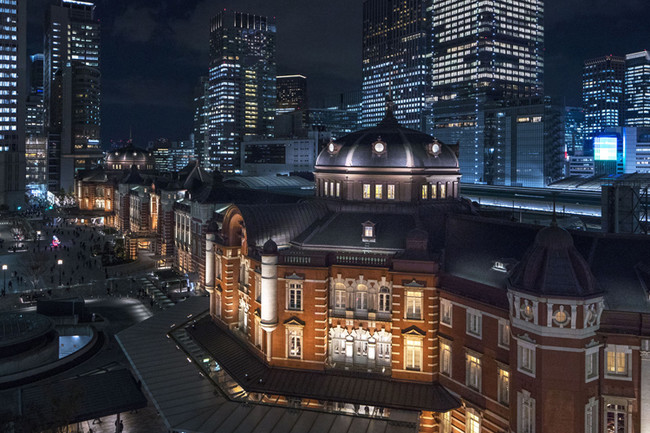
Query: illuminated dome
x=124, y=158
x=387, y=163
x=388, y=145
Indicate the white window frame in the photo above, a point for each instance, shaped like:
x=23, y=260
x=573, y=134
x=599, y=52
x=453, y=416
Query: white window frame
x=473, y=371
x=340, y=298
x=504, y=334
x=379, y=191
x=413, y=303
x=503, y=386
x=615, y=410
x=384, y=300
x=294, y=342
x=617, y=350
x=472, y=421
x=361, y=299
x=413, y=347
x=591, y=416
x=446, y=312
x=390, y=191
x=591, y=364
x=294, y=288
x=526, y=357
x=525, y=412
x=445, y=357
x=474, y=322
x=366, y=193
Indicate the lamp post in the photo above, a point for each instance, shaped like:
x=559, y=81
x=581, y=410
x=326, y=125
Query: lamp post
x=60, y=263
x=4, y=282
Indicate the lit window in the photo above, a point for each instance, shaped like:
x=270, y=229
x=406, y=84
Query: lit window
x=446, y=312
x=526, y=358
x=473, y=372
x=366, y=190
x=616, y=417
x=503, y=390
x=379, y=194
x=391, y=192
x=617, y=358
x=384, y=300
x=526, y=412
x=361, y=298
x=294, y=343
x=443, y=190
x=340, y=296
x=413, y=354
x=425, y=192
x=504, y=333
x=413, y=305
x=327, y=184
x=473, y=422
x=338, y=189
x=474, y=322
x=434, y=191
x=591, y=364
x=445, y=358
x=294, y=297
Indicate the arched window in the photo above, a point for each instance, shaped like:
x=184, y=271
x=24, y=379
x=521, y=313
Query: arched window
x=339, y=296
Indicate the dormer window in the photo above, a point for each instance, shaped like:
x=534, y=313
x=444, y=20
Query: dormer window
x=368, y=234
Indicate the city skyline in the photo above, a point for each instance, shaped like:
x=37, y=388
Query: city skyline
x=146, y=89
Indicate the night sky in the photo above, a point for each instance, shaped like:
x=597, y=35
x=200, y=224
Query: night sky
x=153, y=51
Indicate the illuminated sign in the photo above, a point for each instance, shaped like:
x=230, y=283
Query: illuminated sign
x=605, y=148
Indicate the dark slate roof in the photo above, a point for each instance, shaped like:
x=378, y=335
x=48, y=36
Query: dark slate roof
x=97, y=174
x=405, y=148
x=344, y=229
x=133, y=177
x=474, y=244
x=552, y=266
x=280, y=222
x=255, y=376
x=88, y=397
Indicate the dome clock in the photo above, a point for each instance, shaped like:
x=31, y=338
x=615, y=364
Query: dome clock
x=379, y=147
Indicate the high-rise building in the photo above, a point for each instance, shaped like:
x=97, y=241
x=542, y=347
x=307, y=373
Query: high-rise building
x=200, y=131
x=71, y=91
x=602, y=95
x=396, y=54
x=13, y=71
x=35, y=137
x=292, y=93
x=637, y=89
x=482, y=52
x=574, y=119
x=242, y=91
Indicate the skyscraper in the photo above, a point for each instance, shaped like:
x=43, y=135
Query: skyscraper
x=396, y=60
x=637, y=89
x=574, y=119
x=200, y=131
x=292, y=93
x=36, y=139
x=483, y=52
x=12, y=102
x=242, y=91
x=71, y=90
x=602, y=95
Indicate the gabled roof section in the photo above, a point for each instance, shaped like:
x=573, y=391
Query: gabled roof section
x=133, y=177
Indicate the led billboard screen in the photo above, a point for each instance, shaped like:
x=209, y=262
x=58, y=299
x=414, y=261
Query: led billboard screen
x=605, y=148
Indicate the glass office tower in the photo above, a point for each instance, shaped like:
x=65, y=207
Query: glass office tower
x=637, y=89
x=242, y=91
x=71, y=87
x=12, y=103
x=396, y=60
x=483, y=52
x=602, y=95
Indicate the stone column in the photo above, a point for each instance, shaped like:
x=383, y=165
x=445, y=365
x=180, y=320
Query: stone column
x=269, y=290
x=209, y=261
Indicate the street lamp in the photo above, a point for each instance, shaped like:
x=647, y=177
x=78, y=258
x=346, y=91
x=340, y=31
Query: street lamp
x=60, y=263
x=4, y=282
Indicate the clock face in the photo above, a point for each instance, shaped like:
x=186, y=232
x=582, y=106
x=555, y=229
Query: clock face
x=331, y=147
x=379, y=147
x=435, y=148
x=561, y=316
